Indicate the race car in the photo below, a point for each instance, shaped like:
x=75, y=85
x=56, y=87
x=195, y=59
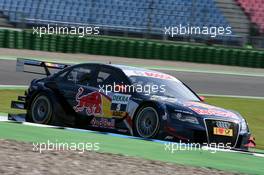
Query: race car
x=129, y=100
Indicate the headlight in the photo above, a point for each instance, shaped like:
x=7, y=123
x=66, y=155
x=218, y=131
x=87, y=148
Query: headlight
x=244, y=127
x=185, y=118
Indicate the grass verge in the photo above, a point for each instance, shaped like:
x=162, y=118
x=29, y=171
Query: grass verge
x=251, y=109
x=6, y=96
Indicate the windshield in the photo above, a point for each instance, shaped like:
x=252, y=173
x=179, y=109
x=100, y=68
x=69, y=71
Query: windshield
x=162, y=87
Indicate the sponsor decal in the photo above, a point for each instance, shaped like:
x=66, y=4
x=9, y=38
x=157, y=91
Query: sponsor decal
x=106, y=105
x=121, y=98
x=223, y=132
x=205, y=109
x=158, y=75
x=103, y=123
x=202, y=105
x=91, y=103
x=119, y=104
x=119, y=114
x=213, y=112
x=152, y=74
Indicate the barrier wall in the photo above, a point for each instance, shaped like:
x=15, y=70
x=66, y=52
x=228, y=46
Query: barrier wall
x=132, y=48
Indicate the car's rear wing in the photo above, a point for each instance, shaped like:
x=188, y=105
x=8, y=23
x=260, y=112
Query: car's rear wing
x=21, y=62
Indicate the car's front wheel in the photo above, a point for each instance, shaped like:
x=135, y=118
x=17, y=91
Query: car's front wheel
x=147, y=122
x=41, y=110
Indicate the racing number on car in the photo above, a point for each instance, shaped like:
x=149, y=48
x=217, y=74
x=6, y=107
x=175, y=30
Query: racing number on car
x=120, y=102
x=118, y=107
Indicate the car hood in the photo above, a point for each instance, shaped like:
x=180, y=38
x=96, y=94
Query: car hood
x=204, y=109
x=199, y=108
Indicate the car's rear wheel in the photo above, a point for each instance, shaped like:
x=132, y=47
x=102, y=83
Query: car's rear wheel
x=147, y=122
x=41, y=110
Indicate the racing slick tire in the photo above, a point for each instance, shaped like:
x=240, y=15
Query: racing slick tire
x=147, y=122
x=41, y=110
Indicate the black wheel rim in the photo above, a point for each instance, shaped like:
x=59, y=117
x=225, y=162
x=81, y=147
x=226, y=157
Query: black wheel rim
x=147, y=122
x=41, y=110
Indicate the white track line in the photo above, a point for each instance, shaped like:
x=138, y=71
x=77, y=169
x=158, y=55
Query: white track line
x=3, y=118
x=233, y=96
x=13, y=87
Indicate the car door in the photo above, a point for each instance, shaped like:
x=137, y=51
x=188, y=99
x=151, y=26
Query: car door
x=76, y=86
x=113, y=100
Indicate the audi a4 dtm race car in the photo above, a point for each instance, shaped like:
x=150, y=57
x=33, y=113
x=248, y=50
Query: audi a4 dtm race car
x=115, y=98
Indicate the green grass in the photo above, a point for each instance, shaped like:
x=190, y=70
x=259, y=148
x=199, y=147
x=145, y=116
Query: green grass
x=6, y=96
x=251, y=109
x=234, y=162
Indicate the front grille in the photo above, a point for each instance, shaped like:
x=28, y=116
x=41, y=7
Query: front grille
x=219, y=139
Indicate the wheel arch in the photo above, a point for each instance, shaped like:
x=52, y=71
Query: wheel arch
x=35, y=93
x=160, y=108
x=65, y=116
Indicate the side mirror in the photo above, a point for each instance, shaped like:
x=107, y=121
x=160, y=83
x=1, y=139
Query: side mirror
x=202, y=98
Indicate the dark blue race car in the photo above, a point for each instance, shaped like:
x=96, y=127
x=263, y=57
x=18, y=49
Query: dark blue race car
x=130, y=100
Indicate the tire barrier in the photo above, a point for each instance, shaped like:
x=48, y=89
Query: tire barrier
x=132, y=48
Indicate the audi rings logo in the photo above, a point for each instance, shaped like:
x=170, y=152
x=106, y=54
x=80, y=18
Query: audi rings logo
x=221, y=124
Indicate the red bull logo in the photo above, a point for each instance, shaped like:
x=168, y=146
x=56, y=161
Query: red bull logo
x=205, y=109
x=103, y=123
x=91, y=102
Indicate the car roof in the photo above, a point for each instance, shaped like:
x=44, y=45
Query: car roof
x=125, y=68
x=137, y=71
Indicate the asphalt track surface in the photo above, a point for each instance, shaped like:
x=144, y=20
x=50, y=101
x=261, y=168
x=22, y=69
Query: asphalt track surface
x=204, y=83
